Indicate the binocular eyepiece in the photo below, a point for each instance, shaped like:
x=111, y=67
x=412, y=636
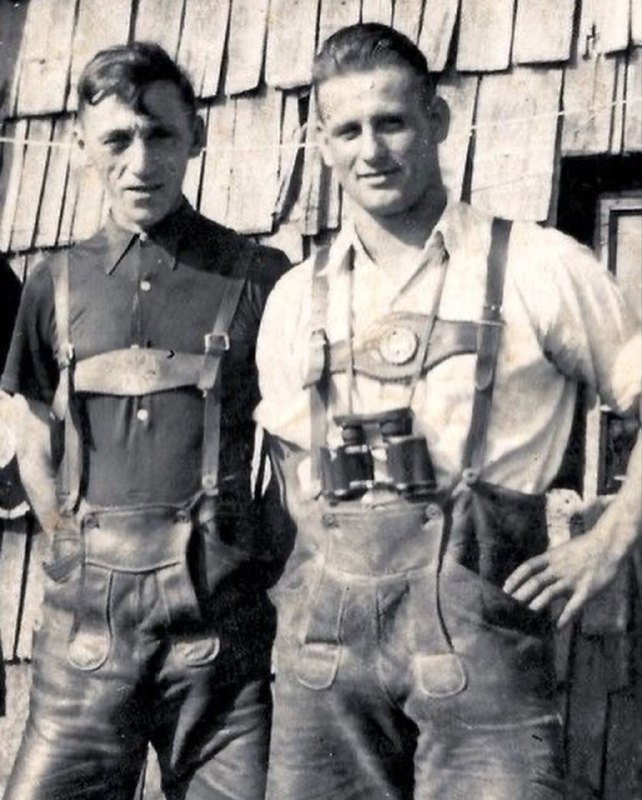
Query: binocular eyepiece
x=390, y=456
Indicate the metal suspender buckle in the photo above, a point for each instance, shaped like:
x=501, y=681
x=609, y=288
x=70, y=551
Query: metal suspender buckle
x=66, y=356
x=209, y=484
x=216, y=343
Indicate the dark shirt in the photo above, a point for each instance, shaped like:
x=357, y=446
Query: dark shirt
x=162, y=292
x=10, y=288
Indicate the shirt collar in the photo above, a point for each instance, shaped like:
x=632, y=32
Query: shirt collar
x=166, y=234
x=442, y=237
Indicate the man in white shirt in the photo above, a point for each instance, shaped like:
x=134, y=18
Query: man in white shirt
x=418, y=382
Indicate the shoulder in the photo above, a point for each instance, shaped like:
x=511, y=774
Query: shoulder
x=222, y=247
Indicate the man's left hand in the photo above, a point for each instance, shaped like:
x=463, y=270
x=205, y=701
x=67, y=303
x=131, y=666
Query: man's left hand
x=572, y=573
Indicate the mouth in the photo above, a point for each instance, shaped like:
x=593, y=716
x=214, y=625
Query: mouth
x=378, y=176
x=143, y=190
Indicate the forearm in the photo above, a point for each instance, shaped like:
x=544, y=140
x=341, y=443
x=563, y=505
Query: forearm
x=36, y=466
x=621, y=522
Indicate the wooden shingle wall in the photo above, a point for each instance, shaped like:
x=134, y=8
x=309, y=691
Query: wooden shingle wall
x=527, y=83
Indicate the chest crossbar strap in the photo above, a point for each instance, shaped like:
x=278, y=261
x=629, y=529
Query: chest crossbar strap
x=489, y=339
x=130, y=372
x=450, y=337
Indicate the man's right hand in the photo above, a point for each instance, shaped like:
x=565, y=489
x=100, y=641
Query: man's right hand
x=66, y=550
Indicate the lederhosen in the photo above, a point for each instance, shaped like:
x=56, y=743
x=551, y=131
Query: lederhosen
x=152, y=538
x=483, y=527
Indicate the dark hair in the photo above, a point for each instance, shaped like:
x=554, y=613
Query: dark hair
x=366, y=46
x=126, y=70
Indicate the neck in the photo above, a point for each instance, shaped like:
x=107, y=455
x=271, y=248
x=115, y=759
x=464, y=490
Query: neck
x=409, y=230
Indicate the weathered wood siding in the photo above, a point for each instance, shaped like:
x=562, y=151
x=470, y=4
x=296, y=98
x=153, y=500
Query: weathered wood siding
x=538, y=80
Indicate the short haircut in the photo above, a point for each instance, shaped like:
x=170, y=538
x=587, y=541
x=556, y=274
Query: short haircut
x=367, y=46
x=126, y=71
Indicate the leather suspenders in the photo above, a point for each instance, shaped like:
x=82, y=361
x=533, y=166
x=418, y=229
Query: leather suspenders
x=138, y=371
x=489, y=339
x=451, y=338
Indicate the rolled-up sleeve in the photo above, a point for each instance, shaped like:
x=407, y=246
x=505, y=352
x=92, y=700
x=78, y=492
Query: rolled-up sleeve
x=586, y=319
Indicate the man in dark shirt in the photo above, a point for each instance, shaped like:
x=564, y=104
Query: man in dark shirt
x=139, y=344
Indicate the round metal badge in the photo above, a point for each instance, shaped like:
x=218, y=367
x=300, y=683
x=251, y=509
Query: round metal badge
x=399, y=346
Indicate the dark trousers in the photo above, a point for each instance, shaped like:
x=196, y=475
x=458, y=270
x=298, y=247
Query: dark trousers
x=115, y=668
x=394, y=681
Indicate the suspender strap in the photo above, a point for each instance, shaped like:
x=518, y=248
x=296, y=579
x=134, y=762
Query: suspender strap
x=216, y=344
x=70, y=470
x=318, y=378
x=489, y=338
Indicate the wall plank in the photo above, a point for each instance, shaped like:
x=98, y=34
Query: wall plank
x=46, y=56
x=437, y=31
x=96, y=28
x=193, y=177
x=633, y=112
x=88, y=213
x=407, y=17
x=255, y=163
x=55, y=182
x=200, y=52
x=218, y=161
x=589, y=90
x=290, y=157
x=619, y=106
x=460, y=92
x=636, y=22
x=337, y=14
x=311, y=215
x=543, y=31
x=13, y=153
x=12, y=20
x=488, y=51
x=246, y=45
x=517, y=121
x=604, y=27
x=31, y=183
x=288, y=239
x=160, y=21
x=291, y=40
x=376, y=11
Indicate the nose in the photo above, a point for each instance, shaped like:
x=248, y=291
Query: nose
x=371, y=145
x=140, y=157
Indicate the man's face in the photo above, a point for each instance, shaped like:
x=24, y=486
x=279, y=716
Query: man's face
x=380, y=134
x=141, y=155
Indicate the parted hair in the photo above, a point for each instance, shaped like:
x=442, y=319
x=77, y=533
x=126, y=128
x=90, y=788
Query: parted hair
x=126, y=70
x=367, y=46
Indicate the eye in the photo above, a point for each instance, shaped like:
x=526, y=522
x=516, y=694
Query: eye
x=117, y=141
x=347, y=132
x=159, y=134
x=391, y=124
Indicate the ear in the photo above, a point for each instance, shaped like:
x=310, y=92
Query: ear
x=198, y=136
x=439, y=115
x=324, y=144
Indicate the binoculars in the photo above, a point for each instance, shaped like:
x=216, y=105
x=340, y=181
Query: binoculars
x=378, y=450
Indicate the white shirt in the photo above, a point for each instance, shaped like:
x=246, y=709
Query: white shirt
x=565, y=321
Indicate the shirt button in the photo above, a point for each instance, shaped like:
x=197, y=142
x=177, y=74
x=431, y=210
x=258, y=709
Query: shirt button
x=142, y=414
x=145, y=285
